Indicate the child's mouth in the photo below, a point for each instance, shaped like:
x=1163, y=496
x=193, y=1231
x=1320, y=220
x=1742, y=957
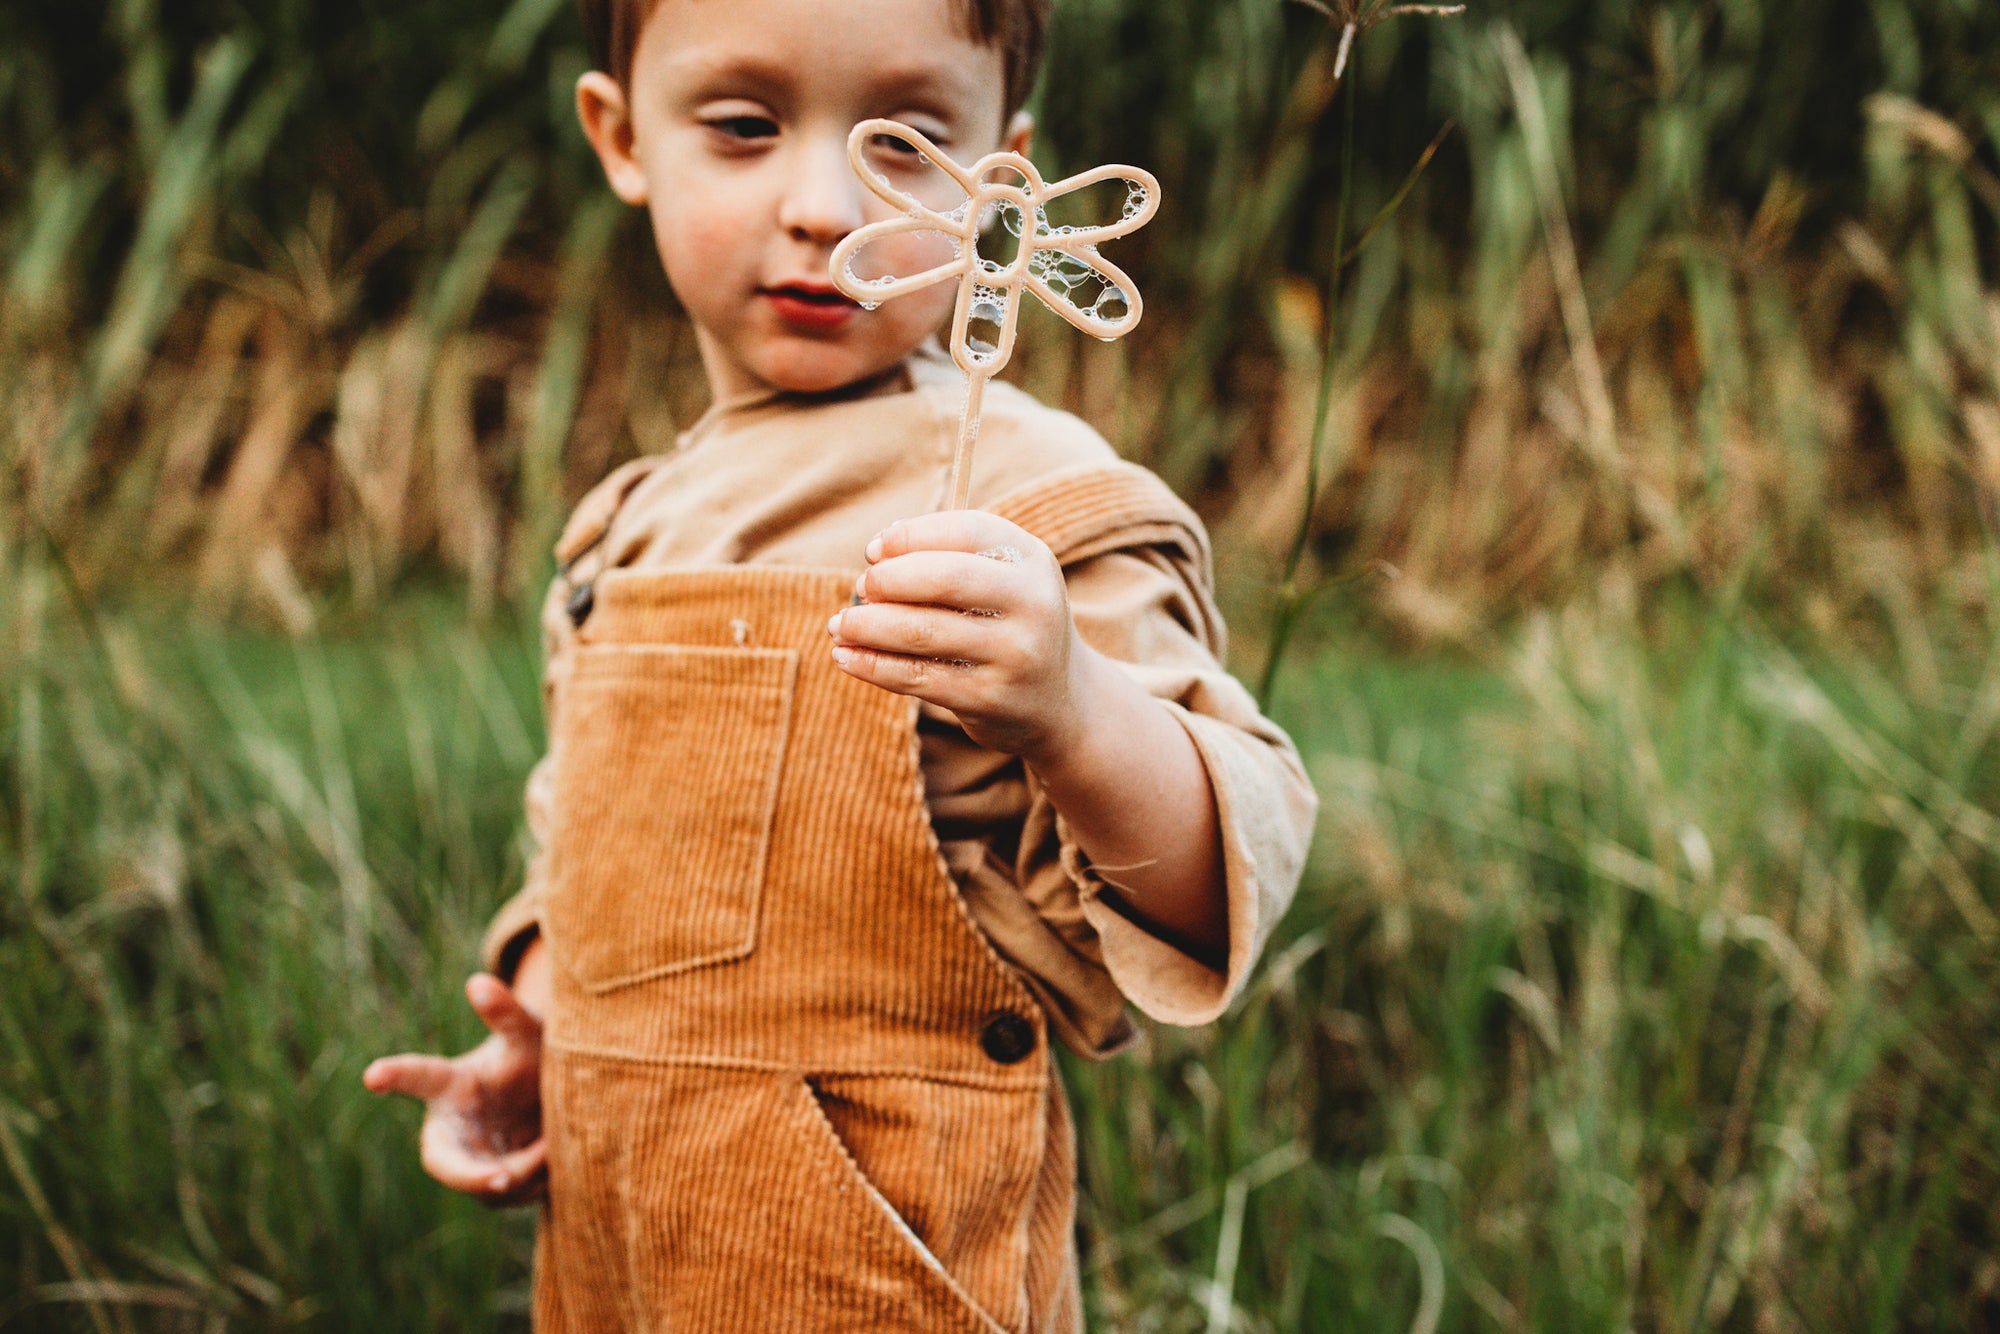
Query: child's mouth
x=811, y=307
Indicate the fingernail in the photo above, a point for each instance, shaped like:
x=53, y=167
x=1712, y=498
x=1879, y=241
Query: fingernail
x=833, y=624
x=843, y=656
x=860, y=589
x=874, y=552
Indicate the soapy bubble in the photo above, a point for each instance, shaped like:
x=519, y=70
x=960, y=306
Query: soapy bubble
x=1001, y=229
x=1112, y=304
x=1061, y=270
x=902, y=166
x=1099, y=204
x=985, y=319
x=885, y=259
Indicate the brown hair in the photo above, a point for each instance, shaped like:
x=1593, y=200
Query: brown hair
x=1017, y=27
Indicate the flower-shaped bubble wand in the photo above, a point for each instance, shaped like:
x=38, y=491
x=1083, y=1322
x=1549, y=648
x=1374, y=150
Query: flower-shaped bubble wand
x=1055, y=263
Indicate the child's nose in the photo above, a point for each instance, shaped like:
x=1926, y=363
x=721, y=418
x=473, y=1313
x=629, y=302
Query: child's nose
x=822, y=200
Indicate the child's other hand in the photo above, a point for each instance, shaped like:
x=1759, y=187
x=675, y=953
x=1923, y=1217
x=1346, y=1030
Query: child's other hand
x=482, y=1109
x=968, y=612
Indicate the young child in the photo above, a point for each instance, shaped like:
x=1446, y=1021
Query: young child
x=850, y=806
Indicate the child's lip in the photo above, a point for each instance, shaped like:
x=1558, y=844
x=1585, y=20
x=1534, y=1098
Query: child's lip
x=811, y=305
x=821, y=293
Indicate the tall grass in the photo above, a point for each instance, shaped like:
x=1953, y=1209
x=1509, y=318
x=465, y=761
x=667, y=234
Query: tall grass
x=1642, y=976
x=230, y=882
x=1638, y=989
x=1711, y=292
x=1631, y=988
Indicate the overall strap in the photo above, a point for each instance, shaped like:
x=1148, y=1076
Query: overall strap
x=1104, y=507
x=1098, y=507
x=591, y=519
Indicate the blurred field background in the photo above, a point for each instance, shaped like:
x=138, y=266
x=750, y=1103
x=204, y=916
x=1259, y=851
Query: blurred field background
x=1640, y=634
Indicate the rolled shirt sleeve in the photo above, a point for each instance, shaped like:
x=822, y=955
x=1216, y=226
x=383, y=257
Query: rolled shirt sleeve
x=1148, y=610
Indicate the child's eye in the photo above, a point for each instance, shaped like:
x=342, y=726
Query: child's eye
x=903, y=160
x=744, y=127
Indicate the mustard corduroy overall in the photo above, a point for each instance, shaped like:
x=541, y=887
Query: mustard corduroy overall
x=787, y=1084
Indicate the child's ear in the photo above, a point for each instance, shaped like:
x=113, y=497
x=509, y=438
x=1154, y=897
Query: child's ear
x=607, y=123
x=1020, y=134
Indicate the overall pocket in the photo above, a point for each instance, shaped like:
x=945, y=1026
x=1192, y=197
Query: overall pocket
x=876, y=1247
x=667, y=765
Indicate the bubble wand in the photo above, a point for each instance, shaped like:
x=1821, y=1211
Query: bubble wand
x=1052, y=262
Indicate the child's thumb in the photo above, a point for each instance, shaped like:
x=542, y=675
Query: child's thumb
x=493, y=1000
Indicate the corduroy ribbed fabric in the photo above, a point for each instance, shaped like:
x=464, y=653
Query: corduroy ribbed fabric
x=797, y=482
x=788, y=1086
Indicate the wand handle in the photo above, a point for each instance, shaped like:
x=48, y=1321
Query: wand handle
x=968, y=435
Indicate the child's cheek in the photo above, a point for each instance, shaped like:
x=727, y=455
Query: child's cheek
x=929, y=309
x=926, y=250
x=699, y=251
x=896, y=328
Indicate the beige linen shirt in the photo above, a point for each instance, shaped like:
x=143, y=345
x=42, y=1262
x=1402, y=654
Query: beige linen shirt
x=806, y=482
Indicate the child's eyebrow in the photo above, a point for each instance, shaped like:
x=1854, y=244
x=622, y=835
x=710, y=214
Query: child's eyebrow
x=920, y=83
x=887, y=89
x=704, y=74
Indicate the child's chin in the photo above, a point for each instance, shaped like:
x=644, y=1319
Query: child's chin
x=818, y=372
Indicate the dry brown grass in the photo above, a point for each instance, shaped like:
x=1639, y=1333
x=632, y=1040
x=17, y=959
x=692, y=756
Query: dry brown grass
x=1813, y=422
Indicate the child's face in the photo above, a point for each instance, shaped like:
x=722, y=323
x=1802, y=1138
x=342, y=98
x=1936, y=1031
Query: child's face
x=733, y=134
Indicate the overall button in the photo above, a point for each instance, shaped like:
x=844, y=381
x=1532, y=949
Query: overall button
x=1007, y=1037
x=581, y=600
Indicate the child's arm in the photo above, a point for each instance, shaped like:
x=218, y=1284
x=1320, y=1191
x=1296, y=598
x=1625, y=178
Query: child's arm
x=967, y=611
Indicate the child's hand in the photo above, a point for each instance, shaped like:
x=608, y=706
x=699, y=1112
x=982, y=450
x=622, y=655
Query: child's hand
x=483, y=1109
x=968, y=612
